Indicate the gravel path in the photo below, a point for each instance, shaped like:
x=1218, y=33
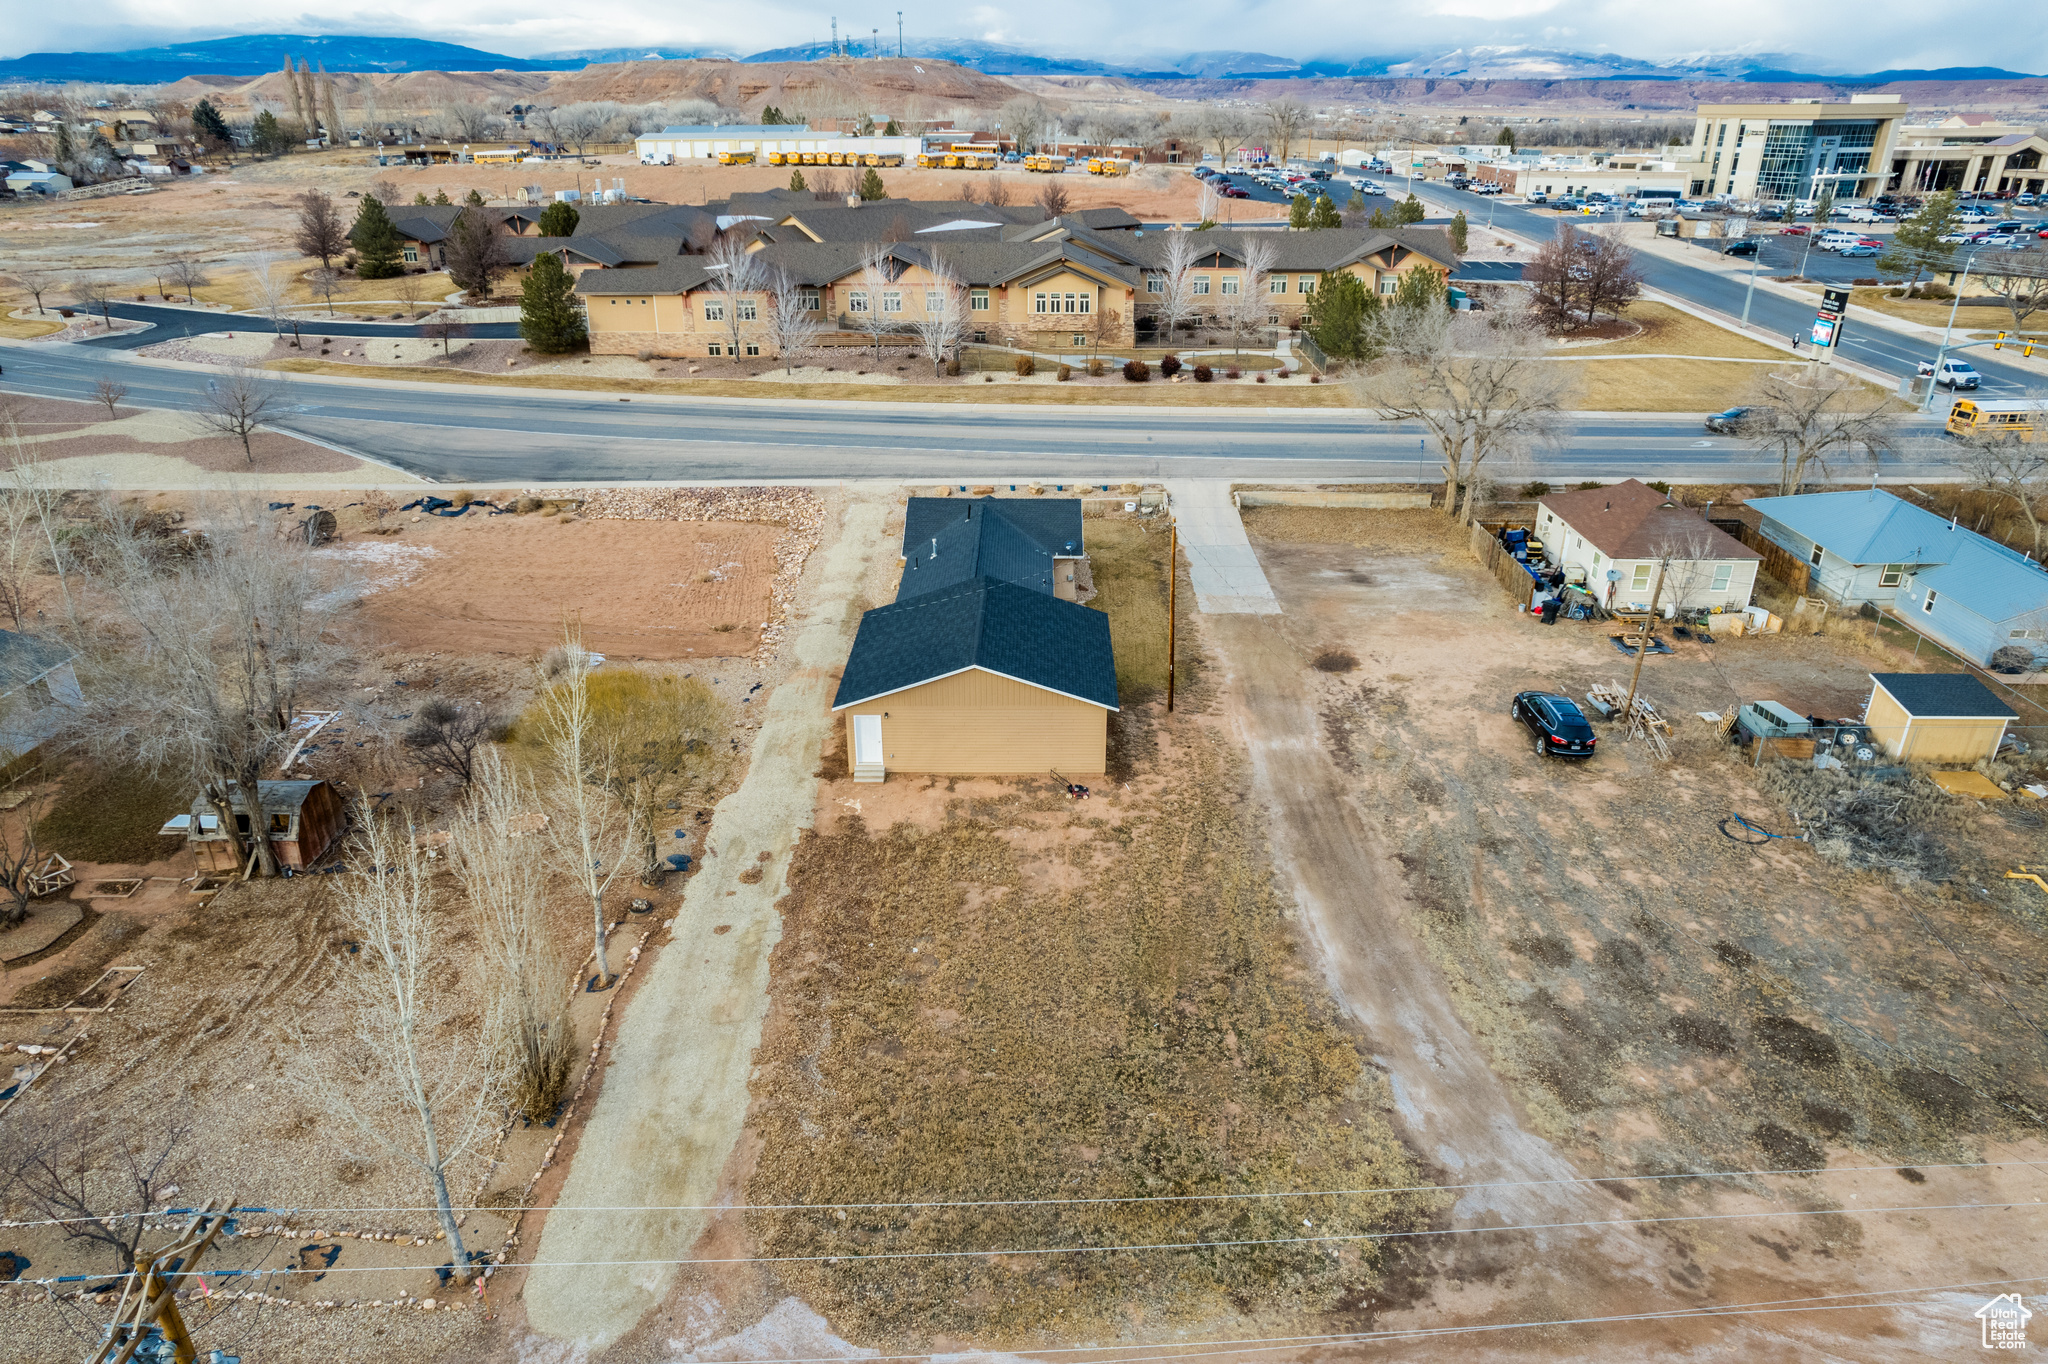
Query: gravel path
x=675, y=1097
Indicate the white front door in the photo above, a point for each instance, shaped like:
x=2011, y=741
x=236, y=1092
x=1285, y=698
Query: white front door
x=867, y=738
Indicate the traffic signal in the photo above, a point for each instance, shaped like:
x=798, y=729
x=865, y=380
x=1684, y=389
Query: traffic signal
x=2028, y=352
x=1999, y=344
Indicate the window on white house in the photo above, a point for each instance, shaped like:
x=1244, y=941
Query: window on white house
x=1723, y=575
x=1230, y=284
x=810, y=300
x=978, y=300
x=1306, y=285
x=1277, y=285
x=1891, y=575
x=1641, y=581
x=892, y=300
x=1155, y=284
x=1928, y=605
x=1087, y=302
x=932, y=301
x=1390, y=286
x=1814, y=558
x=746, y=306
x=1201, y=284
x=714, y=310
x=857, y=301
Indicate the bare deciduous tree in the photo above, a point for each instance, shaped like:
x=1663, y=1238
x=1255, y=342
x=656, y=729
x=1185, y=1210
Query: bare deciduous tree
x=1808, y=417
x=2012, y=470
x=273, y=295
x=475, y=254
x=446, y=333
x=1054, y=199
x=188, y=273
x=795, y=318
x=878, y=272
x=37, y=279
x=734, y=289
x=237, y=404
x=1024, y=120
x=590, y=831
x=444, y=735
x=1681, y=544
x=1286, y=120
x=468, y=121
x=198, y=666
x=1226, y=130
x=1480, y=383
x=325, y=284
x=495, y=853
x=109, y=391
x=1176, y=296
x=2021, y=282
x=318, y=230
x=1208, y=203
x=407, y=287
x=21, y=851
x=1248, y=308
x=942, y=325
x=95, y=296
x=29, y=499
x=415, y=1083
x=97, y=1178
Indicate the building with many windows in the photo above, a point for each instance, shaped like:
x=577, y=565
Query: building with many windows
x=1969, y=153
x=1796, y=149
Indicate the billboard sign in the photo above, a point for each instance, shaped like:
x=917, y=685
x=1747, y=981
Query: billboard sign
x=1825, y=330
x=1834, y=302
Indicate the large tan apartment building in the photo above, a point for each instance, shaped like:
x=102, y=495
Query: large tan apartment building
x=1969, y=153
x=1794, y=149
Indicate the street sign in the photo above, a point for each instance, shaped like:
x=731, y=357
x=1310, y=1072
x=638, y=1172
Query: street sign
x=1834, y=302
x=1827, y=324
x=1825, y=330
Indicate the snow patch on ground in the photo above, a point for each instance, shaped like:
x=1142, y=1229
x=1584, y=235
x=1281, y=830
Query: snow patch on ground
x=791, y=1330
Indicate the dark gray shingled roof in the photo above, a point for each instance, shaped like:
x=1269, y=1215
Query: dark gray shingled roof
x=1054, y=522
x=1017, y=632
x=24, y=658
x=1944, y=695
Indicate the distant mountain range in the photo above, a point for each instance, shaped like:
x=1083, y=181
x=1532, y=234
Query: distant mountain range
x=258, y=54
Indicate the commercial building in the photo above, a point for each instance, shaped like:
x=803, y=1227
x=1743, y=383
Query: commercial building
x=1620, y=176
x=1794, y=149
x=1970, y=153
x=707, y=142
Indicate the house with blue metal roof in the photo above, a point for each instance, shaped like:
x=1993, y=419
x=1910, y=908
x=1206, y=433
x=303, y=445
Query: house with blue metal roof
x=1968, y=593
x=986, y=664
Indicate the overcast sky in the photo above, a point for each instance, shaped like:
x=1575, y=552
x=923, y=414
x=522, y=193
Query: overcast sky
x=1868, y=35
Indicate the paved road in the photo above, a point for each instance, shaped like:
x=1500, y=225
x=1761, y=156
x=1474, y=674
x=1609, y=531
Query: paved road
x=173, y=323
x=501, y=435
x=1890, y=352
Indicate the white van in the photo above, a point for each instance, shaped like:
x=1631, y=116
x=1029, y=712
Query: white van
x=1835, y=238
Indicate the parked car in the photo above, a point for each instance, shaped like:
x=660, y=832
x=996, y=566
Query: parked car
x=2026, y=200
x=1954, y=374
x=1741, y=246
x=1770, y=215
x=1537, y=196
x=1559, y=726
x=1796, y=230
x=1233, y=192
x=1728, y=423
x=1861, y=249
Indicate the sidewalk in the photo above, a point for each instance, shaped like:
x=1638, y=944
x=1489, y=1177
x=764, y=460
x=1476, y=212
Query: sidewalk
x=1222, y=567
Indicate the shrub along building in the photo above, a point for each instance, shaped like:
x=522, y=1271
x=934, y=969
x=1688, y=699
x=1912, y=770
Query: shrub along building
x=985, y=664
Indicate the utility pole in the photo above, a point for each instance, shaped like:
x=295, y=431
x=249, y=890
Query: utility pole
x=1755, y=264
x=1172, y=582
x=1643, y=645
x=1948, y=332
x=150, y=1296
x=899, y=33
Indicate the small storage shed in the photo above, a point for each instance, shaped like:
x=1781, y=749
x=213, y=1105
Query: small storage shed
x=304, y=819
x=1936, y=717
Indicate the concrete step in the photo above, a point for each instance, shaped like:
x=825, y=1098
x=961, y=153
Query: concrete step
x=868, y=772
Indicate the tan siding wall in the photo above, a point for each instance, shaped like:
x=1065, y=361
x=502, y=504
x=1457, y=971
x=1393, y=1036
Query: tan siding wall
x=1887, y=720
x=1952, y=741
x=977, y=724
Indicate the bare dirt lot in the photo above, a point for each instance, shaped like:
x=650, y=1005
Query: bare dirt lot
x=505, y=585
x=79, y=443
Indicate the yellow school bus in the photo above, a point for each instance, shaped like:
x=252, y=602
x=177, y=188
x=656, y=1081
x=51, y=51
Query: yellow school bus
x=2002, y=420
x=497, y=156
x=735, y=158
x=775, y=158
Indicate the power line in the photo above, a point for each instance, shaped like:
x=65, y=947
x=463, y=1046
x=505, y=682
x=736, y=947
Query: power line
x=1344, y=1238
x=1066, y=1202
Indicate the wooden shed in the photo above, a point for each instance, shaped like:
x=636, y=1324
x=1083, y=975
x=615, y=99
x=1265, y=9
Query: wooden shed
x=1936, y=717
x=981, y=667
x=304, y=818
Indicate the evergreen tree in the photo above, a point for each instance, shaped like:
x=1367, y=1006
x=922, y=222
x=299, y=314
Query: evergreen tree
x=1337, y=314
x=548, y=316
x=871, y=186
x=420, y=200
x=559, y=220
x=796, y=182
x=475, y=199
x=207, y=122
x=1460, y=232
x=1357, y=199
x=892, y=130
x=1917, y=246
x=63, y=152
x=1408, y=211
x=1298, y=213
x=441, y=198
x=375, y=240
x=1380, y=219
x=770, y=115
x=1422, y=287
x=1507, y=137
x=1325, y=214
x=267, y=135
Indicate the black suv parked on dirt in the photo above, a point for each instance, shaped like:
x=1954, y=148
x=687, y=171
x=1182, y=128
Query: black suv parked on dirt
x=1560, y=728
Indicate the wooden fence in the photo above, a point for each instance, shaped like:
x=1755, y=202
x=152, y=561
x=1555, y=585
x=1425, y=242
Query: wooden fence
x=1506, y=569
x=1781, y=563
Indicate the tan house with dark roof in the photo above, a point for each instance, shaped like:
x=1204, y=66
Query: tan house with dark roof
x=1612, y=540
